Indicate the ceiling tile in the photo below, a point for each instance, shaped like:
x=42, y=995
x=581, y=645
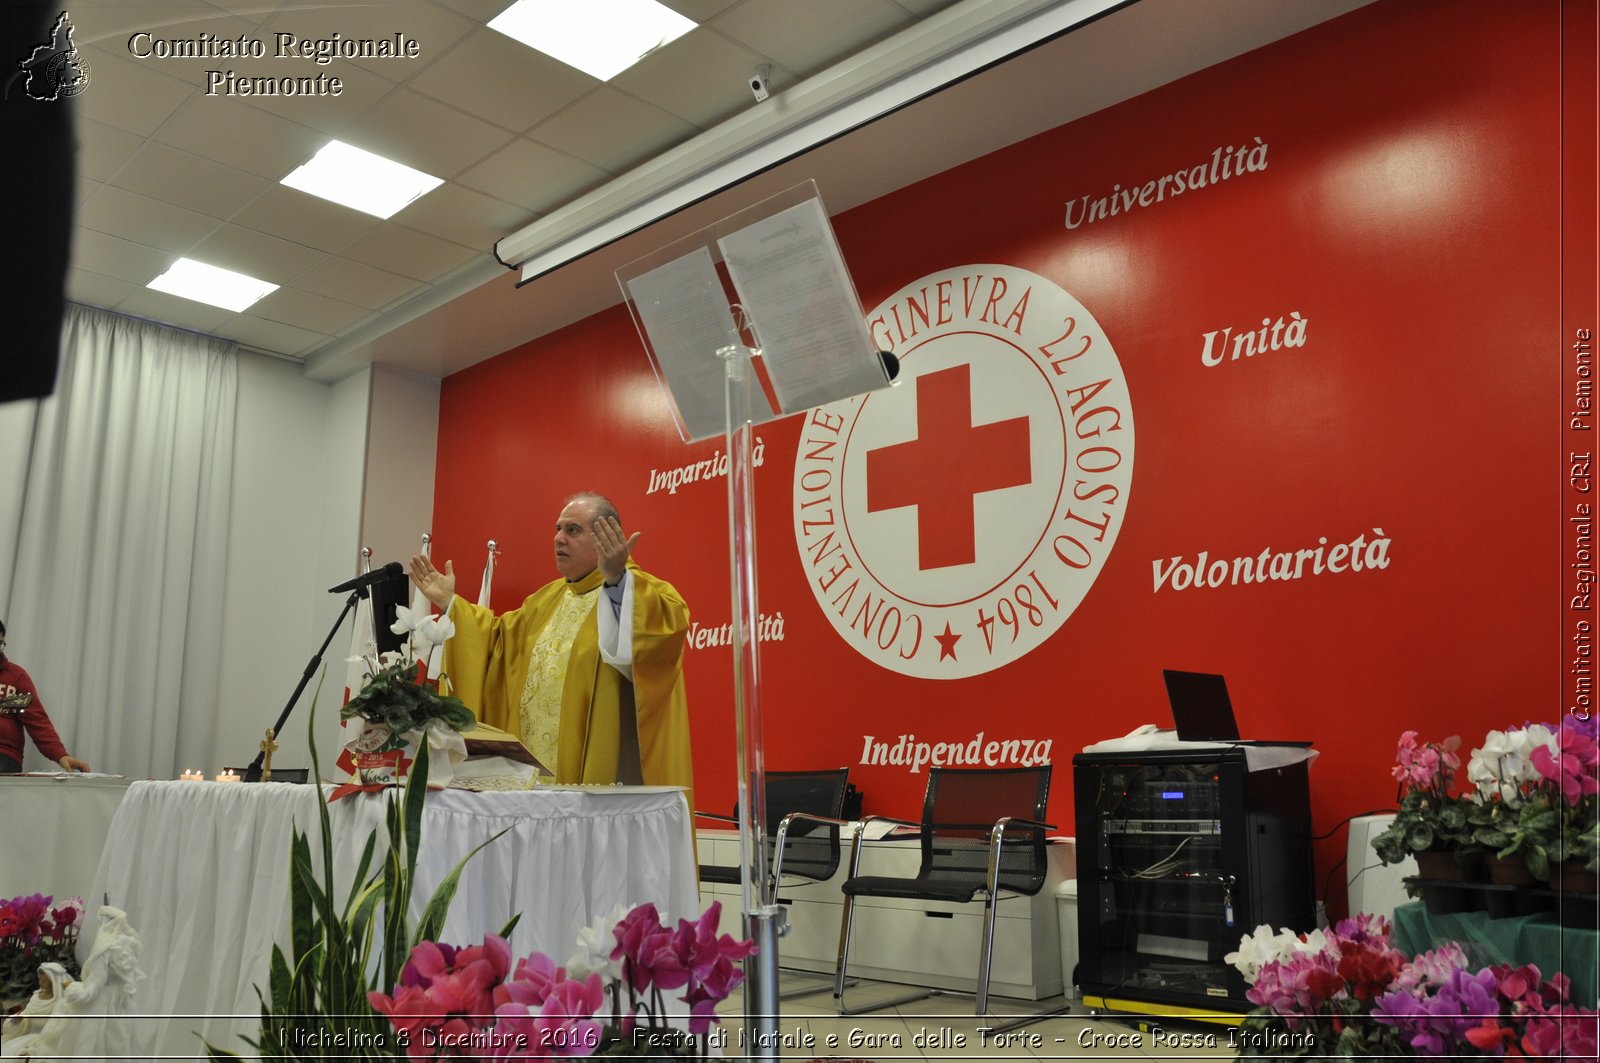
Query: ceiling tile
x=102, y=149
x=480, y=10
x=809, y=37
x=924, y=8
x=465, y=216
x=256, y=254
x=127, y=96
x=500, y=80
x=423, y=133
x=334, y=115
x=173, y=310
x=433, y=28
x=355, y=282
x=144, y=220
x=272, y=336
x=701, y=11
x=115, y=257
x=140, y=32
x=84, y=190
x=305, y=219
x=291, y=306
x=254, y=10
x=409, y=252
x=533, y=176
x=613, y=130
x=178, y=177
x=245, y=138
x=95, y=289
x=701, y=77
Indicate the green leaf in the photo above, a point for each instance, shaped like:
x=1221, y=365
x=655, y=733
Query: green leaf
x=432, y=920
x=1419, y=838
x=1538, y=863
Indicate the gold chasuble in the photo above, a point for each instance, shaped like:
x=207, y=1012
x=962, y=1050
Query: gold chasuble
x=487, y=664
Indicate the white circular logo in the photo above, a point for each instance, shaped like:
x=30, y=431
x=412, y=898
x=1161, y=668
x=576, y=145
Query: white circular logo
x=951, y=524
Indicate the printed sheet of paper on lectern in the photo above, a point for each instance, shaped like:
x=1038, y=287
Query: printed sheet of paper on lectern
x=786, y=274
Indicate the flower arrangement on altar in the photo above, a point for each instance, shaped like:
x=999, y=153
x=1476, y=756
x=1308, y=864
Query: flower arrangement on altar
x=35, y=931
x=1534, y=795
x=399, y=707
x=609, y=999
x=1347, y=992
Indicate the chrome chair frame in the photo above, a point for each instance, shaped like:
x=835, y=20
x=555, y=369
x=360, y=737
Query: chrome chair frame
x=991, y=892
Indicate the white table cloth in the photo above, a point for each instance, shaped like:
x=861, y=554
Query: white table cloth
x=52, y=831
x=202, y=870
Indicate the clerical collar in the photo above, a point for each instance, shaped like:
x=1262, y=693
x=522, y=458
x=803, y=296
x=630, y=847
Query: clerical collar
x=588, y=583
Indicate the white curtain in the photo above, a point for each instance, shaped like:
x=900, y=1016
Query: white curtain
x=113, y=590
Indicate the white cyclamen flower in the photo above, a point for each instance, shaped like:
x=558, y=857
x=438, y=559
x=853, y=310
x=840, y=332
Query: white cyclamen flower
x=435, y=630
x=1503, y=764
x=407, y=620
x=595, y=944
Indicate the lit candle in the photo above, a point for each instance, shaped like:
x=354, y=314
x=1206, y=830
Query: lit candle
x=227, y=776
x=192, y=775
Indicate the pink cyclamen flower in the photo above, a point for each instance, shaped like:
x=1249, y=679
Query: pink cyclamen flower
x=564, y=1027
x=1573, y=769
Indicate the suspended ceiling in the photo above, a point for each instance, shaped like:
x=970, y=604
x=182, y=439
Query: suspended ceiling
x=524, y=143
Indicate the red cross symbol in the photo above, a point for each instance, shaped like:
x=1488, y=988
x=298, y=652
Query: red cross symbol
x=949, y=462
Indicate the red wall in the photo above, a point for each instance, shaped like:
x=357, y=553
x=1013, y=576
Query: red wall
x=1408, y=212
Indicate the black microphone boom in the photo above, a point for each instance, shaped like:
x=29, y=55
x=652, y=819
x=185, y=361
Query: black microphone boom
x=377, y=575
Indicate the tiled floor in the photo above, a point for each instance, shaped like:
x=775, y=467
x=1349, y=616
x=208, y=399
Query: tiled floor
x=944, y=1028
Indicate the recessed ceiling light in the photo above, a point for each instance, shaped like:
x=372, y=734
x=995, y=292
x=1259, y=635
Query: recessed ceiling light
x=361, y=180
x=600, y=37
x=211, y=284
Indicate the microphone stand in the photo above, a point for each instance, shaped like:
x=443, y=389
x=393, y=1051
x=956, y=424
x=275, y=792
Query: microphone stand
x=253, y=772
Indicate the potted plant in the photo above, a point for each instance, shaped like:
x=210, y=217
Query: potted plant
x=610, y=998
x=1432, y=824
x=1348, y=993
x=1557, y=833
x=1503, y=774
x=35, y=931
x=401, y=708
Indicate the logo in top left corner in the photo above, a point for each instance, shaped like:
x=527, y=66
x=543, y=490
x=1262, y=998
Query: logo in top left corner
x=55, y=69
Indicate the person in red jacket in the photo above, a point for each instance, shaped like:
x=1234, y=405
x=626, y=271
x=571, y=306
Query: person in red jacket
x=20, y=711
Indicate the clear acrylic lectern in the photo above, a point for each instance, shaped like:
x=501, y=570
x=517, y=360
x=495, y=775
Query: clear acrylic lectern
x=775, y=330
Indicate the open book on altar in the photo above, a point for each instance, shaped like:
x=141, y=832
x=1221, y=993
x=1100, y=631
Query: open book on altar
x=486, y=741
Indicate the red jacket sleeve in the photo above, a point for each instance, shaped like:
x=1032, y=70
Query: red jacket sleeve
x=37, y=722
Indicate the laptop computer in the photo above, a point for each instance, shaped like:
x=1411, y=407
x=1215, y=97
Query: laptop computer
x=1202, y=711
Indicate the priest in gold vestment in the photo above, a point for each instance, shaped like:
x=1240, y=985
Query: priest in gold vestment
x=588, y=671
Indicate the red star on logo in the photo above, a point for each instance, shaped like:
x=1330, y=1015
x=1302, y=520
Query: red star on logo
x=947, y=642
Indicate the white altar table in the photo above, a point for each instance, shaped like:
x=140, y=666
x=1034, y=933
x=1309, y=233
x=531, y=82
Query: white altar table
x=202, y=869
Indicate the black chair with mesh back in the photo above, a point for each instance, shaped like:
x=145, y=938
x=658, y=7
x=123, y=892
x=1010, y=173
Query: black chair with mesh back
x=982, y=834
x=804, y=814
x=804, y=810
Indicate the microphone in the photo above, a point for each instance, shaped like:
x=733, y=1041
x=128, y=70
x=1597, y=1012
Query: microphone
x=379, y=575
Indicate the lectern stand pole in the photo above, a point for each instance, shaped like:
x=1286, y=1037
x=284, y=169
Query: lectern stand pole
x=763, y=918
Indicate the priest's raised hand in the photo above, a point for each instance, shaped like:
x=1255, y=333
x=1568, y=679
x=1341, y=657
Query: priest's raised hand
x=438, y=587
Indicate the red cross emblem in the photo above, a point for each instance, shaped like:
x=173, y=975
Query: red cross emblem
x=950, y=462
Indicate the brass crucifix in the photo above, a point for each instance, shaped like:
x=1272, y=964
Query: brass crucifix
x=267, y=747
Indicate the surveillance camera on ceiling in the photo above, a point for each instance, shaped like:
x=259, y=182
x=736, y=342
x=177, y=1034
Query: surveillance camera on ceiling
x=759, y=83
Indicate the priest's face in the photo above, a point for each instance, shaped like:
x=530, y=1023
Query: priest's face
x=576, y=555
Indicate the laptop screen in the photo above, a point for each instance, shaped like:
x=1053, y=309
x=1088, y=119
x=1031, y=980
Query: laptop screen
x=1200, y=707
